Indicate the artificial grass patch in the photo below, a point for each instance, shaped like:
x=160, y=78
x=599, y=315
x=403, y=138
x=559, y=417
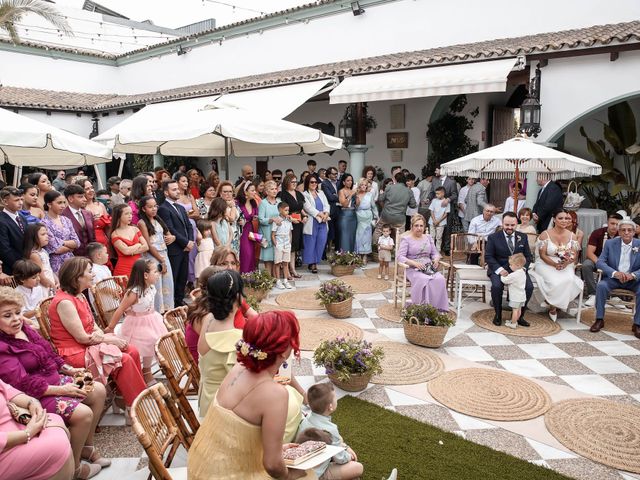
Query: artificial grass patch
x=384, y=439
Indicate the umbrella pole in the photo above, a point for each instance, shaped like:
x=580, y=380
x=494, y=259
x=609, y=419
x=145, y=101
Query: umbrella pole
x=98, y=177
x=17, y=174
x=516, y=192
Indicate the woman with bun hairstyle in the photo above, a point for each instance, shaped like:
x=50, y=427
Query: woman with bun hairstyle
x=242, y=434
x=218, y=335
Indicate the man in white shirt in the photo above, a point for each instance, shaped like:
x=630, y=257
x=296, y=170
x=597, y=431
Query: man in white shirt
x=483, y=225
x=462, y=197
x=620, y=265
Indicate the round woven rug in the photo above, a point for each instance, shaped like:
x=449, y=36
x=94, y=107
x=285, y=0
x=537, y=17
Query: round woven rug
x=601, y=430
x=314, y=330
x=363, y=284
x=614, y=320
x=303, y=299
x=389, y=312
x=541, y=326
x=269, y=307
x=490, y=394
x=373, y=273
x=406, y=365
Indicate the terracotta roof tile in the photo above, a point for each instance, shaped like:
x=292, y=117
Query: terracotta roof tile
x=599, y=35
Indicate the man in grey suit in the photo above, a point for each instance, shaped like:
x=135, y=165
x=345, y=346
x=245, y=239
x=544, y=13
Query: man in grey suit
x=395, y=199
x=476, y=201
x=451, y=196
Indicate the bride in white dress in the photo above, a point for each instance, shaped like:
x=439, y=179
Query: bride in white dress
x=558, y=252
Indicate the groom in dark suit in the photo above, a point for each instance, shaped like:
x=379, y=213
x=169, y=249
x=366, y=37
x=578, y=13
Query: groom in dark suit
x=549, y=201
x=500, y=246
x=620, y=265
x=175, y=216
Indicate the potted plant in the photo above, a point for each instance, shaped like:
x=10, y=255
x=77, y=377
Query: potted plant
x=257, y=284
x=344, y=263
x=348, y=362
x=425, y=325
x=337, y=298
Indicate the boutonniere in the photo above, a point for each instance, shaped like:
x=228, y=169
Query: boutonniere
x=635, y=249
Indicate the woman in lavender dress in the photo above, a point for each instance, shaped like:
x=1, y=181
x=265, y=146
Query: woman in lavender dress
x=63, y=239
x=418, y=251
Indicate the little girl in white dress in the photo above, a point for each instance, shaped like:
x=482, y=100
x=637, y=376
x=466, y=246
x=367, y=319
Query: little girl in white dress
x=205, y=247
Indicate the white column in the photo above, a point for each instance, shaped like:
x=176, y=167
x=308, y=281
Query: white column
x=356, y=160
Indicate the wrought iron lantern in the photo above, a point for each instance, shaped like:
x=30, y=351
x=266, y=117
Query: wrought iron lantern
x=530, y=109
x=346, y=127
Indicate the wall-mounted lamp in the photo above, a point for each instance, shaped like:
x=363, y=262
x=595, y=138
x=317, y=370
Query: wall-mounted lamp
x=356, y=9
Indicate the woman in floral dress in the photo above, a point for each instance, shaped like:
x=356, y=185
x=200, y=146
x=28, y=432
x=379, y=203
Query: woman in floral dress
x=63, y=239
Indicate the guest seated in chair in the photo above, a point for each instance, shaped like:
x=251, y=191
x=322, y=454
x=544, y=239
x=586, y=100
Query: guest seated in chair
x=28, y=362
x=620, y=265
x=500, y=246
x=419, y=252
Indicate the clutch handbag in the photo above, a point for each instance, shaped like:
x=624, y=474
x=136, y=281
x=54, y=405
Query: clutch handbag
x=19, y=414
x=256, y=237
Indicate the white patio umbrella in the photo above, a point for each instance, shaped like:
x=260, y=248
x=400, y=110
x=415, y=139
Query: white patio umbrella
x=25, y=142
x=214, y=131
x=518, y=155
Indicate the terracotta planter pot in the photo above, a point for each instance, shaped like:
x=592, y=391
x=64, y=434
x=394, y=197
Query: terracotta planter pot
x=342, y=270
x=259, y=295
x=426, y=335
x=341, y=309
x=356, y=382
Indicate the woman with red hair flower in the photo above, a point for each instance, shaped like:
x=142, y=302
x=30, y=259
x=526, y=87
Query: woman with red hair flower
x=241, y=436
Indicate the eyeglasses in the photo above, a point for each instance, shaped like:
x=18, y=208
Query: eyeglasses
x=277, y=178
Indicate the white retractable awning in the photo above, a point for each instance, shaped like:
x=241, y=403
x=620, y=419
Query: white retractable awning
x=478, y=77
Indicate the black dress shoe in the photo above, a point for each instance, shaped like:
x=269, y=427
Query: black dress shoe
x=597, y=325
x=636, y=330
x=497, y=321
x=523, y=323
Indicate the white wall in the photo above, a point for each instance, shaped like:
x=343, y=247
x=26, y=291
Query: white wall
x=574, y=86
x=395, y=27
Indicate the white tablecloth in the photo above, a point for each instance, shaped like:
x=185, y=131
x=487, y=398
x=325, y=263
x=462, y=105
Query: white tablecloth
x=590, y=219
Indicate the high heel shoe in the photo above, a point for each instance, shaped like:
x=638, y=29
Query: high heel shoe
x=86, y=471
x=553, y=316
x=91, y=455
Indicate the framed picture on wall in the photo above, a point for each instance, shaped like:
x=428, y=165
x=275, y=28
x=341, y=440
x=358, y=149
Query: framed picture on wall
x=398, y=140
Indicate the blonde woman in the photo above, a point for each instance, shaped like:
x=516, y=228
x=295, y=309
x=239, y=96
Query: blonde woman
x=366, y=215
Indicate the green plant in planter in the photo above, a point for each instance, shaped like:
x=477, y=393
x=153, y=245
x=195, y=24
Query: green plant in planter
x=342, y=257
x=426, y=315
x=334, y=291
x=258, y=280
x=346, y=356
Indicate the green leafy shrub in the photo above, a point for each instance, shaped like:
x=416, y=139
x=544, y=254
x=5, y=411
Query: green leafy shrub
x=426, y=315
x=346, y=356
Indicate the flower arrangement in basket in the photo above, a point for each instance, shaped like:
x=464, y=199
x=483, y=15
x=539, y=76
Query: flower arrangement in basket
x=350, y=363
x=257, y=283
x=337, y=298
x=573, y=199
x=425, y=325
x=343, y=262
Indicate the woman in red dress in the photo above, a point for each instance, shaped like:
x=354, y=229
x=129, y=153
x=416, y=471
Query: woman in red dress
x=127, y=240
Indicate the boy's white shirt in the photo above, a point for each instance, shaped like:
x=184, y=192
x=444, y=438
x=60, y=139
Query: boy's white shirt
x=100, y=273
x=516, y=281
x=438, y=210
x=387, y=241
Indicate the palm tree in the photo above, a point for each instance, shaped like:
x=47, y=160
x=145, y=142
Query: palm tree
x=12, y=11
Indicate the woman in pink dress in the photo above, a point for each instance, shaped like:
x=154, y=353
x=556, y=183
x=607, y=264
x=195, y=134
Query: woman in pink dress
x=419, y=252
x=249, y=209
x=32, y=451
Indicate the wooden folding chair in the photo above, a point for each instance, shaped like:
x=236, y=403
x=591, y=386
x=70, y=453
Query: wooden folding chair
x=176, y=318
x=42, y=315
x=155, y=427
x=107, y=297
x=400, y=281
x=182, y=373
x=12, y=282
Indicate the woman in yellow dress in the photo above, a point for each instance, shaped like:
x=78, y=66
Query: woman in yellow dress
x=241, y=436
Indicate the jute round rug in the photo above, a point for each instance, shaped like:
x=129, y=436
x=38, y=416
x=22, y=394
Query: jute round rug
x=363, y=284
x=268, y=307
x=314, y=330
x=389, y=312
x=541, y=326
x=373, y=273
x=614, y=320
x=601, y=430
x=406, y=365
x=303, y=299
x=491, y=394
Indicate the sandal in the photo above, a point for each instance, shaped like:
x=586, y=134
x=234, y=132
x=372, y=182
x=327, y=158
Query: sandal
x=86, y=471
x=296, y=275
x=93, y=456
x=314, y=269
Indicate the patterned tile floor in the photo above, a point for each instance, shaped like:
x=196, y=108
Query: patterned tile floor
x=571, y=363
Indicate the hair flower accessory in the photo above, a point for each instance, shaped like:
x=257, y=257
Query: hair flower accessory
x=247, y=349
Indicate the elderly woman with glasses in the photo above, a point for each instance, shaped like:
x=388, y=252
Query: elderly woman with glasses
x=315, y=231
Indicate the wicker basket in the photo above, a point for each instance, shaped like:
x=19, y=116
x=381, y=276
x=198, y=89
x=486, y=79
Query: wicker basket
x=340, y=309
x=356, y=383
x=425, y=335
x=259, y=295
x=342, y=270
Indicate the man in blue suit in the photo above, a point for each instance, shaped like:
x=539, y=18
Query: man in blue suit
x=500, y=246
x=175, y=216
x=620, y=265
x=330, y=189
